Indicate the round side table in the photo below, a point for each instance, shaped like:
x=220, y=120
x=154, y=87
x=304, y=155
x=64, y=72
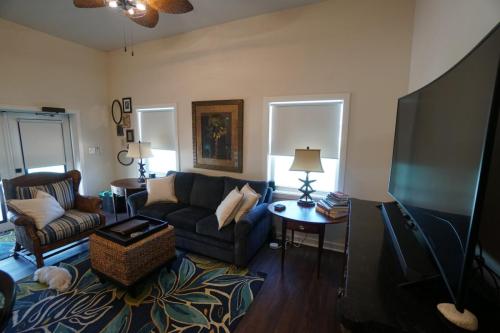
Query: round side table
x=124, y=188
x=303, y=219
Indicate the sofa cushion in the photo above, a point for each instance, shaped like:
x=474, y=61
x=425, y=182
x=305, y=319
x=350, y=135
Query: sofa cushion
x=207, y=191
x=160, y=210
x=161, y=190
x=72, y=223
x=183, y=185
x=186, y=218
x=209, y=226
x=258, y=186
x=63, y=191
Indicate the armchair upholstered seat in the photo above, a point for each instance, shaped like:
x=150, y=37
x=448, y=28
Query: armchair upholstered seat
x=82, y=214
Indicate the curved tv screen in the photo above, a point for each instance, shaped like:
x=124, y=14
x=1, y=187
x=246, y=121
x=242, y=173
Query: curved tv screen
x=439, y=142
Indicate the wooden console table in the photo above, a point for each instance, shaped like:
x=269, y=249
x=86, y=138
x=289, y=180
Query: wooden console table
x=303, y=219
x=124, y=188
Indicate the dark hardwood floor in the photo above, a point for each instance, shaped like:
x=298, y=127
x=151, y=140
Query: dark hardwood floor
x=295, y=301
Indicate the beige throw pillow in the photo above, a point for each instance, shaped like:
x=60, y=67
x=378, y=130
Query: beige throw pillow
x=161, y=189
x=43, y=209
x=228, y=208
x=250, y=199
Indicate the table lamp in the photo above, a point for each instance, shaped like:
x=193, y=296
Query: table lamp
x=307, y=160
x=140, y=150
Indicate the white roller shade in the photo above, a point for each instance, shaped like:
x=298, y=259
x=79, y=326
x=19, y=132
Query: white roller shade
x=42, y=143
x=158, y=127
x=306, y=125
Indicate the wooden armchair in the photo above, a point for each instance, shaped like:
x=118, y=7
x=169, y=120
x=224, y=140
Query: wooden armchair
x=80, y=220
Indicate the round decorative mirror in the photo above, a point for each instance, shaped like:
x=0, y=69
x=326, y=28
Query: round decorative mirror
x=123, y=159
x=117, y=111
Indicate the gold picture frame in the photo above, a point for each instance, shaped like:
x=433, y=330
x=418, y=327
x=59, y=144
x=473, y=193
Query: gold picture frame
x=218, y=135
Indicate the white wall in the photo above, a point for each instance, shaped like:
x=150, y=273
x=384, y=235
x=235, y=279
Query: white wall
x=444, y=32
x=40, y=70
x=336, y=46
x=359, y=47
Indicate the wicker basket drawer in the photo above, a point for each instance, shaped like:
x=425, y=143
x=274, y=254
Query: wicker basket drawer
x=127, y=264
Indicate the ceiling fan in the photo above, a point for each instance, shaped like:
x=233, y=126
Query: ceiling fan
x=143, y=12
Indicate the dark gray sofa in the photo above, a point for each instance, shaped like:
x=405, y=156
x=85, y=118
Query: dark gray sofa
x=196, y=226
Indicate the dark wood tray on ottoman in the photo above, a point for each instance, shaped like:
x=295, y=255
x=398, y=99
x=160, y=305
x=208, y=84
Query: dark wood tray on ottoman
x=125, y=259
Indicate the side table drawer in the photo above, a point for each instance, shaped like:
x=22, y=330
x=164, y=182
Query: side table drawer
x=303, y=227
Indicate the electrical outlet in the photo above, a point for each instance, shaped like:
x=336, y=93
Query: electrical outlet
x=96, y=150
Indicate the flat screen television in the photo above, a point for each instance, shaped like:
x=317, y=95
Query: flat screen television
x=445, y=148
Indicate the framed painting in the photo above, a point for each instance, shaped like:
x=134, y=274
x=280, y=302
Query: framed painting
x=218, y=135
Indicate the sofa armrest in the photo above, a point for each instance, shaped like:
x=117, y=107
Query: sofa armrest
x=20, y=220
x=250, y=220
x=136, y=201
x=88, y=204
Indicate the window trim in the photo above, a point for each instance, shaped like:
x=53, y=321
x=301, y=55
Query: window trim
x=297, y=99
x=159, y=108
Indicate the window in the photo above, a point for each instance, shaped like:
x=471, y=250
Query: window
x=42, y=145
x=3, y=210
x=159, y=126
x=55, y=168
x=315, y=123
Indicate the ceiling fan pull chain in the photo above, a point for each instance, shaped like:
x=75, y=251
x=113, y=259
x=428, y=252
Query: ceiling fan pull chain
x=132, y=41
x=124, y=36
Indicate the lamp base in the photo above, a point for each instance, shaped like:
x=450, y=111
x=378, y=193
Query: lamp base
x=306, y=203
x=142, y=173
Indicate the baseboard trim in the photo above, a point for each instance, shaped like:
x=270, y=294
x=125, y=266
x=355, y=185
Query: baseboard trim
x=312, y=240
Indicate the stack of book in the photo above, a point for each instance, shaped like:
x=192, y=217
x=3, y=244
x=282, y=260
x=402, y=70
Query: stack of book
x=335, y=205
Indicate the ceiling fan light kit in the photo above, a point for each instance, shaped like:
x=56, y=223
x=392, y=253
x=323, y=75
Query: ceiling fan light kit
x=142, y=12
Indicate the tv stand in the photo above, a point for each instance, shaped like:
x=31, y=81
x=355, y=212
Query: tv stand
x=407, y=240
x=371, y=298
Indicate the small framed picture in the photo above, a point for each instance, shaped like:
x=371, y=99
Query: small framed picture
x=127, y=104
x=126, y=122
x=119, y=130
x=129, y=134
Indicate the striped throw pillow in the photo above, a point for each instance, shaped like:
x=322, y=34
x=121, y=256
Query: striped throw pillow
x=63, y=191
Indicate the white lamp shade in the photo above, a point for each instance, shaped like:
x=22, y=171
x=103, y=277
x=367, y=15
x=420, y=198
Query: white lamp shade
x=139, y=150
x=308, y=160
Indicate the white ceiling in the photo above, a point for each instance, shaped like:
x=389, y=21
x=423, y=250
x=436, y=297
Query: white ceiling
x=103, y=28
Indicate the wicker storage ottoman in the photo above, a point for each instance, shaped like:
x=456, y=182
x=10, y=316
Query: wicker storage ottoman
x=128, y=264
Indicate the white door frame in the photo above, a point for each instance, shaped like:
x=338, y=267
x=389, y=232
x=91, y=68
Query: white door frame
x=7, y=169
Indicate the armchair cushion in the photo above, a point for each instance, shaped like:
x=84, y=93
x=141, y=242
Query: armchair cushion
x=63, y=191
x=70, y=224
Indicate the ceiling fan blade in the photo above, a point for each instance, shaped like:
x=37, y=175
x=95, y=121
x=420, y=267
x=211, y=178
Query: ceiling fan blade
x=171, y=6
x=148, y=20
x=89, y=3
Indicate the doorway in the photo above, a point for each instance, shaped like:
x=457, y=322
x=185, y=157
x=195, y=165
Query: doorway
x=34, y=142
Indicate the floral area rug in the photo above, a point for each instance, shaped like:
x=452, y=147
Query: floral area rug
x=7, y=242
x=196, y=295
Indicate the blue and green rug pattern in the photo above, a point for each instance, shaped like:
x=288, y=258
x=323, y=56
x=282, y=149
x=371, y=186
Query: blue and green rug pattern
x=196, y=295
x=7, y=242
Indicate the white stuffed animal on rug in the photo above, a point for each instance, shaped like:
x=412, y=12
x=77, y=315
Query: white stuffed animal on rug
x=56, y=277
